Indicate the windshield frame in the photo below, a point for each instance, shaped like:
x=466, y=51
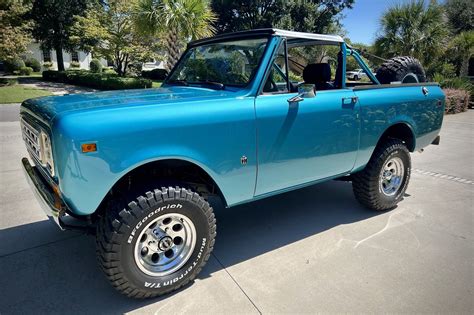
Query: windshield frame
x=217, y=41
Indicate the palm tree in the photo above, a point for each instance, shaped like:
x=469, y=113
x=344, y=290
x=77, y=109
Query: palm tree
x=462, y=46
x=176, y=21
x=414, y=29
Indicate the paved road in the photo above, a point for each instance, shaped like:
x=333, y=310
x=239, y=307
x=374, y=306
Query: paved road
x=312, y=250
x=9, y=112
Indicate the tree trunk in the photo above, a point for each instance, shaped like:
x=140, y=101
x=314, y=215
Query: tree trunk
x=172, y=49
x=125, y=65
x=118, y=64
x=59, y=57
x=463, y=72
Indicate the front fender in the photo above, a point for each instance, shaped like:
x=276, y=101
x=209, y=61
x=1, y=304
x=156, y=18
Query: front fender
x=213, y=137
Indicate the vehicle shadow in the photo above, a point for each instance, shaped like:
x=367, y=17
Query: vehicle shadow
x=63, y=274
x=256, y=228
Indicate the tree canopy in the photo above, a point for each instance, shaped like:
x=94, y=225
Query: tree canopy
x=53, y=22
x=15, y=29
x=460, y=15
x=412, y=29
x=317, y=16
x=176, y=22
x=108, y=31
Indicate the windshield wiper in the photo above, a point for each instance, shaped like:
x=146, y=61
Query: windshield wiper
x=179, y=82
x=217, y=85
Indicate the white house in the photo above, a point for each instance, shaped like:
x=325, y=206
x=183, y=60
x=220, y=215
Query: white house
x=81, y=57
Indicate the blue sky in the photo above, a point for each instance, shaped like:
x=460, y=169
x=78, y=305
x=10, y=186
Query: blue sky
x=362, y=22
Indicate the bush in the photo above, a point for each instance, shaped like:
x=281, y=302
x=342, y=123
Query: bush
x=34, y=64
x=47, y=65
x=109, y=71
x=12, y=65
x=74, y=64
x=135, y=69
x=7, y=82
x=457, y=100
x=51, y=75
x=95, y=66
x=96, y=80
x=155, y=74
x=25, y=70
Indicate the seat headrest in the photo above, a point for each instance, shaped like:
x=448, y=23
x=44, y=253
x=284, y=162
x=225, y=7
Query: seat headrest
x=317, y=73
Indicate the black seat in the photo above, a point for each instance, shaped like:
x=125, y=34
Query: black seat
x=318, y=74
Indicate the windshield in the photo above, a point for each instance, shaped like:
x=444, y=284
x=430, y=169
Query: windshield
x=231, y=63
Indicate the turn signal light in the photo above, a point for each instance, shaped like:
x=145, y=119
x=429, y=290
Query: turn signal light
x=89, y=147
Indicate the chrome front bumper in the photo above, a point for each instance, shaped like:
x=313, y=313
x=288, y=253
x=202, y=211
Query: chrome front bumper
x=49, y=200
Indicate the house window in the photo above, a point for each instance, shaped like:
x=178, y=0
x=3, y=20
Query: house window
x=46, y=55
x=74, y=56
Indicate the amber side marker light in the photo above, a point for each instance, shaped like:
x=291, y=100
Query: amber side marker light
x=89, y=147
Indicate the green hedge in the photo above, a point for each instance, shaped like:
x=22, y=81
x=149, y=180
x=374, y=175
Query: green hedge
x=155, y=74
x=34, y=64
x=12, y=65
x=25, y=70
x=99, y=81
x=95, y=66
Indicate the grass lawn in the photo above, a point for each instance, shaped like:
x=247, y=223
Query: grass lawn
x=156, y=84
x=18, y=93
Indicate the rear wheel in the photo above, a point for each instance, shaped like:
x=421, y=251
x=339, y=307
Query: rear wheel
x=157, y=243
x=382, y=184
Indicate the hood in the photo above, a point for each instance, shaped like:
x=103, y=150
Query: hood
x=47, y=108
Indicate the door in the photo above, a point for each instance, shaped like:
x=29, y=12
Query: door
x=302, y=142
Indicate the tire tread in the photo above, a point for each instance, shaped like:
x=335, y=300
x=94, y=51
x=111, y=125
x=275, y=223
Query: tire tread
x=365, y=183
x=110, y=230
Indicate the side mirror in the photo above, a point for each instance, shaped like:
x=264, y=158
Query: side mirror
x=304, y=91
x=307, y=90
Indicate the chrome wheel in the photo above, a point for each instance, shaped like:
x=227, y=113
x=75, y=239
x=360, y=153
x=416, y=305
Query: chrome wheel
x=410, y=78
x=391, y=176
x=165, y=244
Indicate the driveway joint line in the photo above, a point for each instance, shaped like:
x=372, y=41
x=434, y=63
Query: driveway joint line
x=235, y=281
x=41, y=245
x=444, y=176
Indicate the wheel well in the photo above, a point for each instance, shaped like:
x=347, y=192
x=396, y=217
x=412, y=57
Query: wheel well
x=402, y=132
x=156, y=174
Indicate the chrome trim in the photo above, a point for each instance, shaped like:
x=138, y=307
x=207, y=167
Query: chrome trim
x=32, y=139
x=44, y=194
x=35, y=140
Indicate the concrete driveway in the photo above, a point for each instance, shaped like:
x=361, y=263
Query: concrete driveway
x=311, y=250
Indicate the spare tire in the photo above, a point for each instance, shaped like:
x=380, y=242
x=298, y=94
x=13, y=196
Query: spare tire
x=401, y=69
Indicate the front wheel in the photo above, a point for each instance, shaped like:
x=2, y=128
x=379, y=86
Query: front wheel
x=157, y=243
x=382, y=184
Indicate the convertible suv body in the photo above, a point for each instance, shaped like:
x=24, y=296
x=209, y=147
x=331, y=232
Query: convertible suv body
x=243, y=116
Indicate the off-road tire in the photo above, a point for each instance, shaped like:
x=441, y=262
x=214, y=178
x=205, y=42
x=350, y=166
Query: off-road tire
x=401, y=69
x=118, y=230
x=366, y=183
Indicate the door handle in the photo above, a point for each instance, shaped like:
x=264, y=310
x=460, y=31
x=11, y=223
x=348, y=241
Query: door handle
x=352, y=99
x=296, y=99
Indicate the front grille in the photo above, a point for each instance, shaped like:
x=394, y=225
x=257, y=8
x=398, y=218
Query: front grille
x=31, y=136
